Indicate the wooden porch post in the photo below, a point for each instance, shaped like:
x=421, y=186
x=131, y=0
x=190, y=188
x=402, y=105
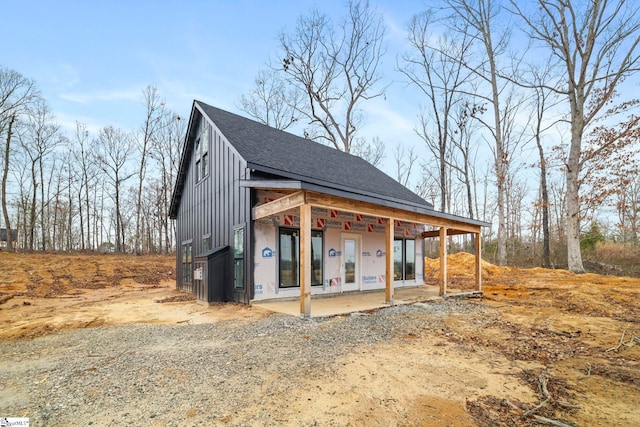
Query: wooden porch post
x=390, y=224
x=305, y=260
x=478, y=263
x=443, y=261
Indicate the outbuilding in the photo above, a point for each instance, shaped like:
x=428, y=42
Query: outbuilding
x=5, y=235
x=264, y=214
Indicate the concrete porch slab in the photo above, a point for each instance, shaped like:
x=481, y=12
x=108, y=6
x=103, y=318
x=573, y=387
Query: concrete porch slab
x=332, y=305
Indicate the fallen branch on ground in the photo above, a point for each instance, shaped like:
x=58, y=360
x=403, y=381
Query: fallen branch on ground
x=619, y=344
x=633, y=339
x=542, y=385
x=549, y=421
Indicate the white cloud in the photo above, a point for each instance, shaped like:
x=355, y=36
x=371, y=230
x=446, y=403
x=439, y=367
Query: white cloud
x=130, y=94
x=68, y=123
x=64, y=76
x=380, y=115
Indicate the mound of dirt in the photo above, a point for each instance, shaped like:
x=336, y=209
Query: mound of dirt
x=42, y=293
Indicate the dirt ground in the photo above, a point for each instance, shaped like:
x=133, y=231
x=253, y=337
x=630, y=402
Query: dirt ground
x=552, y=346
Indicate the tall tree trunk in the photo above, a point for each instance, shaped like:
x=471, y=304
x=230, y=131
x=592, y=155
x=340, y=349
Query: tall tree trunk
x=119, y=245
x=467, y=183
x=70, y=216
x=5, y=174
x=81, y=216
x=90, y=240
x=32, y=217
x=501, y=165
x=43, y=215
x=54, y=244
x=546, y=250
x=574, y=254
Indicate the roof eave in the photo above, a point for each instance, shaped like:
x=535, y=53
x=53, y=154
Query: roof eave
x=342, y=188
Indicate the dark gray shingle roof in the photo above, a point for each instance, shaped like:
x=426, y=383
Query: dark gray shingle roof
x=305, y=160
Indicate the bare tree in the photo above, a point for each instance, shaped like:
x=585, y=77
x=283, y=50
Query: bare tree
x=372, y=152
x=16, y=93
x=86, y=174
x=113, y=148
x=405, y=160
x=272, y=101
x=462, y=143
x=165, y=150
x=434, y=65
x=542, y=101
x=480, y=20
x=336, y=69
x=152, y=125
x=596, y=45
x=41, y=139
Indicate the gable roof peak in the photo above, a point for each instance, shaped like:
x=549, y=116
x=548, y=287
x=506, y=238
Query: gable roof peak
x=281, y=153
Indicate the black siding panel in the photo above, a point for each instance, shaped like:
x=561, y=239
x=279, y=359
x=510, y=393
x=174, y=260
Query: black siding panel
x=215, y=206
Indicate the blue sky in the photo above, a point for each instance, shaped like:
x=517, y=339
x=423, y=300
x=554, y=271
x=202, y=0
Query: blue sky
x=92, y=59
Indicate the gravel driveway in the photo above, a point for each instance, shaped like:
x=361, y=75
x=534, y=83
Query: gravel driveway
x=237, y=372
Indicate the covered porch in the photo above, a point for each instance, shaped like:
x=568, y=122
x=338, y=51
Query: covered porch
x=335, y=305
x=442, y=225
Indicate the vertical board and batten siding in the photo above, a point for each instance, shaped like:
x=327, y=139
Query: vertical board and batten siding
x=215, y=205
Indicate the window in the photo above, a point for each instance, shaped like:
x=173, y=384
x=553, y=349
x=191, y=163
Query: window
x=398, y=268
x=289, y=257
x=201, y=152
x=187, y=262
x=198, y=161
x=206, y=242
x=409, y=259
x=404, y=259
x=238, y=258
x=317, y=263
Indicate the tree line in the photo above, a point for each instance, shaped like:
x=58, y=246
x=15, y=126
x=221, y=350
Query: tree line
x=511, y=96
x=106, y=191
x=509, y=90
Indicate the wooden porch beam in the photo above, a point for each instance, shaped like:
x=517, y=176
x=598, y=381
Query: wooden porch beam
x=478, y=263
x=443, y=261
x=279, y=205
x=347, y=205
x=389, y=230
x=305, y=260
x=436, y=233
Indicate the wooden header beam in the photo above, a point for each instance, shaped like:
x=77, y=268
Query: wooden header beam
x=280, y=205
x=450, y=232
x=353, y=206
